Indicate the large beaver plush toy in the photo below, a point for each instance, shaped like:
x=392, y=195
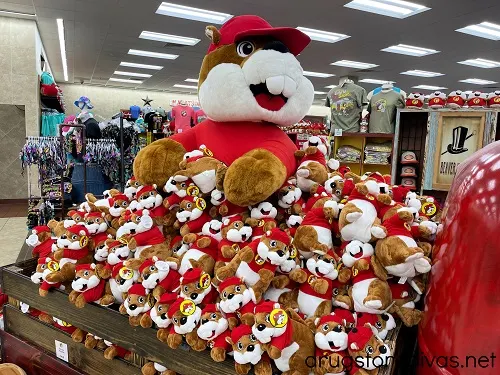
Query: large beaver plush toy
x=249, y=83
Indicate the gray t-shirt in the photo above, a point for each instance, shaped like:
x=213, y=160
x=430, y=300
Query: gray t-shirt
x=383, y=107
x=346, y=103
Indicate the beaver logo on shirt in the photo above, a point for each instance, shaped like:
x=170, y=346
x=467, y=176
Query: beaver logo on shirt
x=184, y=113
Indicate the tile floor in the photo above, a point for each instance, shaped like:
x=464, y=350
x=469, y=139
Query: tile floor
x=13, y=232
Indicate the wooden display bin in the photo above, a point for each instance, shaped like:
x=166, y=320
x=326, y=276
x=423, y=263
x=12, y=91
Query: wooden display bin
x=112, y=326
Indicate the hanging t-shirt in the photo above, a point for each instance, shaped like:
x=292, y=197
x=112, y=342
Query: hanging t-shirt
x=135, y=111
x=183, y=115
x=346, y=103
x=199, y=116
x=383, y=107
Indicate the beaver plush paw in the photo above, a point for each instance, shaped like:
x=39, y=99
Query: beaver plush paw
x=253, y=178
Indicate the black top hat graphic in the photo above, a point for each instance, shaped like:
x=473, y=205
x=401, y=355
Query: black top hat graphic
x=459, y=138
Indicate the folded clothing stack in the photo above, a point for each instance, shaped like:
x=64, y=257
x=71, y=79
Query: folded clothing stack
x=378, y=153
x=349, y=154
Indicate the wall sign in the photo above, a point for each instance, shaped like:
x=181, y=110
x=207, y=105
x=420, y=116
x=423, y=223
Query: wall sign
x=459, y=136
x=191, y=103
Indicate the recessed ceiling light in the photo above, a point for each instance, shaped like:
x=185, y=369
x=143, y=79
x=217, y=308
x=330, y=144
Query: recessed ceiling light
x=422, y=73
x=486, y=30
x=9, y=13
x=323, y=36
x=375, y=81
x=131, y=74
x=193, y=80
x=319, y=92
x=194, y=14
x=141, y=66
x=186, y=87
x=125, y=80
x=156, y=55
x=167, y=38
x=318, y=75
x=428, y=87
x=477, y=81
x=481, y=63
x=404, y=49
x=62, y=47
x=354, y=64
x=391, y=8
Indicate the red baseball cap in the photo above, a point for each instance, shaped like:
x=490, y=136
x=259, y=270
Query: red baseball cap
x=241, y=27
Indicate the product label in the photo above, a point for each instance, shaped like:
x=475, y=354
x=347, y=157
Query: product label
x=62, y=351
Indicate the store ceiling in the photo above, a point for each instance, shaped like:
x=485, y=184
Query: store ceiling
x=99, y=34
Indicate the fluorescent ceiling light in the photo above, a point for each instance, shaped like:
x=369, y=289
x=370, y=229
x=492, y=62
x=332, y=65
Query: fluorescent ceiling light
x=390, y=8
x=481, y=63
x=486, y=30
x=323, y=36
x=131, y=74
x=354, y=64
x=10, y=13
x=141, y=66
x=318, y=75
x=330, y=86
x=319, y=93
x=477, y=81
x=193, y=80
x=428, y=87
x=62, y=46
x=125, y=80
x=422, y=73
x=375, y=81
x=195, y=14
x=156, y=55
x=405, y=49
x=186, y=87
x=167, y=38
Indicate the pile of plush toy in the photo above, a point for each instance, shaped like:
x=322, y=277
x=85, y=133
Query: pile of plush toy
x=319, y=272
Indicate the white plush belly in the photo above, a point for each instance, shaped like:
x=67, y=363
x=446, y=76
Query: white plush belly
x=360, y=229
x=274, y=294
x=402, y=270
x=409, y=241
x=308, y=304
x=194, y=254
x=116, y=293
x=205, y=181
x=282, y=363
x=324, y=236
x=246, y=273
x=359, y=293
x=139, y=249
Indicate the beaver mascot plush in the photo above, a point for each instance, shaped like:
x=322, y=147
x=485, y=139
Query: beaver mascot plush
x=250, y=82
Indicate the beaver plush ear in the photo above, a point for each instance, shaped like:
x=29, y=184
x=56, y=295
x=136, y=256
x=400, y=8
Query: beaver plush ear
x=213, y=34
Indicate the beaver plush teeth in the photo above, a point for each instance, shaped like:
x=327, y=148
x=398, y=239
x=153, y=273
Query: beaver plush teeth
x=266, y=99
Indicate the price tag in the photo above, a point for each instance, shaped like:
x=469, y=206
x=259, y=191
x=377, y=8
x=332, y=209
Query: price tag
x=338, y=132
x=62, y=351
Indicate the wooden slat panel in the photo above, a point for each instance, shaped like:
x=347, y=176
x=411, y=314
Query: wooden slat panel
x=112, y=326
x=91, y=362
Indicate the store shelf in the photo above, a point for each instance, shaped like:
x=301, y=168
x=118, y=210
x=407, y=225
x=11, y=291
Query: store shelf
x=108, y=324
x=368, y=135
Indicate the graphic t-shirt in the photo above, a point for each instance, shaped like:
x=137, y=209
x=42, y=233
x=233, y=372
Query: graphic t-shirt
x=383, y=107
x=135, y=110
x=346, y=103
x=183, y=115
x=199, y=116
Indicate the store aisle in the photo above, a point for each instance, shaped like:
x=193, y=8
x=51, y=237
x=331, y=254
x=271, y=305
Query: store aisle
x=12, y=236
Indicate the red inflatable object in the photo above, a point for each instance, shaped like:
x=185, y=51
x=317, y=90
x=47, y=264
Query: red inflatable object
x=460, y=334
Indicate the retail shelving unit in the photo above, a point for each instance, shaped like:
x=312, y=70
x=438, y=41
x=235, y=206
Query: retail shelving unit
x=359, y=141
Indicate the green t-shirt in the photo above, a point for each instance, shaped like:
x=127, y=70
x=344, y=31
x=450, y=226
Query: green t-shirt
x=383, y=107
x=346, y=103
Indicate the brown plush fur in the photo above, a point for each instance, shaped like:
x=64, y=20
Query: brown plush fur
x=140, y=301
x=206, y=262
x=42, y=237
x=229, y=251
x=217, y=354
x=186, y=205
x=317, y=172
x=246, y=318
x=329, y=362
x=77, y=298
x=91, y=342
x=175, y=340
x=261, y=368
x=58, y=228
x=361, y=353
x=201, y=165
x=65, y=278
x=149, y=369
x=111, y=353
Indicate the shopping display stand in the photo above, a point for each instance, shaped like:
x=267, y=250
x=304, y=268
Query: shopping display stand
x=112, y=326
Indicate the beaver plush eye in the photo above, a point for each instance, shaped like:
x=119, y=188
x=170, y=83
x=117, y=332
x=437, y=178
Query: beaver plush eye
x=138, y=218
x=319, y=256
x=176, y=321
x=213, y=316
x=253, y=338
x=224, y=295
x=124, y=204
x=289, y=188
x=326, y=327
x=160, y=308
x=86, y=273
x=245, y=49
x=140, y=299
x=183, y=185
x=236, y=225
x=273, y=243
x=152, y=268
x=43, y=266
x=267, y=318
x=369, y=349
x=186, y=289
x=237, y=289
x=240, y=346
x=74, y=237
x=77, y=218
x=335, y=291
x=188, y=205
x=378, y=325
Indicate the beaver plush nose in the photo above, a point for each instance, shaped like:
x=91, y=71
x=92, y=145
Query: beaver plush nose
x=230, y=296
x=261, y=327
x=383, y=190
x=203, y=321
x=280, y=253
x=132, y=307
x=132, y=231
x=63, y=237
x=383, y=349
x=184, y=320
x=250, y=348
x=145, y=277
x=180, y=210
x=276, y=45
x=122, y=281
x=194, y=296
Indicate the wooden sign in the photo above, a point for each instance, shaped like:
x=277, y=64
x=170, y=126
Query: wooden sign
x=459, y=136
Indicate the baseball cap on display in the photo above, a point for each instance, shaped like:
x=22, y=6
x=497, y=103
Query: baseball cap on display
x=409, y=157
x=408, y=172
x=410, y=183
